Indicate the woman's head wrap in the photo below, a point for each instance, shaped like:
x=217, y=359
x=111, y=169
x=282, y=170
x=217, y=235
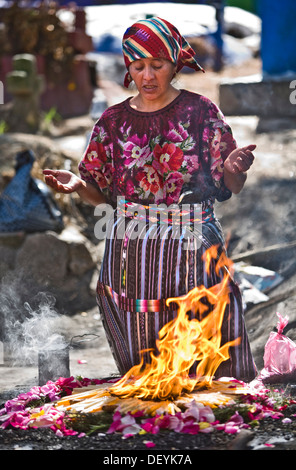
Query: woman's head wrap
x=159, y=39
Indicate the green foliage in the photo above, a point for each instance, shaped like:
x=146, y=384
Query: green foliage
x=248, y=5
x=3, y=127
x=89, y=422
x=224, y=413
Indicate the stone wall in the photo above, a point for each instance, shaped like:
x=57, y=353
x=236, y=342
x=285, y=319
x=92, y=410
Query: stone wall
x=64, y=265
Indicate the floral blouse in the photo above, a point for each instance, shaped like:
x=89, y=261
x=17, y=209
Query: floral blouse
x=153, y=157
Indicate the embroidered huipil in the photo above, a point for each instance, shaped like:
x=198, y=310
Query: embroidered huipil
x=151, y=157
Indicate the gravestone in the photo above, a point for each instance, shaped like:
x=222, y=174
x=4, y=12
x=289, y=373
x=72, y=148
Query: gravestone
x=26, y=86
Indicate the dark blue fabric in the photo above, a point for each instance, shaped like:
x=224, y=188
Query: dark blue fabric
x=26, y=204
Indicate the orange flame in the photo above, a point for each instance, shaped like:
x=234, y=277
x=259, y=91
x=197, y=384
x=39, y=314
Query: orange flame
x=183, y=342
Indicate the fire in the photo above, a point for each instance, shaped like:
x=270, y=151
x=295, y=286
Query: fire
x=185, y=343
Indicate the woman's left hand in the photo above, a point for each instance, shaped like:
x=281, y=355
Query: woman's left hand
x=240, y=159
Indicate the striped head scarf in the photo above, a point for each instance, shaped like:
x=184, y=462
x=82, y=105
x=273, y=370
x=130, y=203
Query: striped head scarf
x=156, y=38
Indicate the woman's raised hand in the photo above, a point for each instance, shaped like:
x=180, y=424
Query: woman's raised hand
x=240, y=159
x=62, y=181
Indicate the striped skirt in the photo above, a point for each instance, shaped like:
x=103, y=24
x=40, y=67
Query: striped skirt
x=147, y=261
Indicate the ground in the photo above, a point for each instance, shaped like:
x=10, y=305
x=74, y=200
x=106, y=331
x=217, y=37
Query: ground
x=262, y=216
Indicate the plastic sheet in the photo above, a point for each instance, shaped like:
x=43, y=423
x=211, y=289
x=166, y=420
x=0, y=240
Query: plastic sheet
x=255, y=282
x=26, y=203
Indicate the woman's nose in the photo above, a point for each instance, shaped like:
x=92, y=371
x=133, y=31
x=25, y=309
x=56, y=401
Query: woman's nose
x=148, y=73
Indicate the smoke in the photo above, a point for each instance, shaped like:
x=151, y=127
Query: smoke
x=29, y=322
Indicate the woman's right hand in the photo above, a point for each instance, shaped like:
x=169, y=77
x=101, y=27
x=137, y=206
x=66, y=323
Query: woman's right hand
x=63, y=181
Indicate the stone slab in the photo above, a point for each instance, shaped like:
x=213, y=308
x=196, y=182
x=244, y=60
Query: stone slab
x=259, y=95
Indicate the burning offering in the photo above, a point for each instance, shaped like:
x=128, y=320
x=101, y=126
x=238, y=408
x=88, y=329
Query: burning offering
x=189, y=353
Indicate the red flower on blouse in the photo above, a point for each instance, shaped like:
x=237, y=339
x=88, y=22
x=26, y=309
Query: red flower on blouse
x=96, y=154
x=167, y=158
x=149, y=180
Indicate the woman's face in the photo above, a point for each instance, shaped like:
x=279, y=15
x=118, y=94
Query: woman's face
x=152, y=77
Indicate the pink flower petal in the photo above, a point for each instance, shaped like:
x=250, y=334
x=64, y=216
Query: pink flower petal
x=231, y=429
x=286, y=421
x=149, y=444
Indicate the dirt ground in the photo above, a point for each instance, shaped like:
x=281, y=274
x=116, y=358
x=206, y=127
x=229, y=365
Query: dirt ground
x=262, y=216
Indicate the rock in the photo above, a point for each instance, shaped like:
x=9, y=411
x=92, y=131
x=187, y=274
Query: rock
x=241, y=440
x=63, y=265
x=7, y=259
x=238, y=30
x=82, y=256
x=45, y=257
x=9, y=243
x=12, y=240
x=80, y=259
x=260, y=96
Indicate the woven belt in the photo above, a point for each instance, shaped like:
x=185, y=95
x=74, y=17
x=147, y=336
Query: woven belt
x=174, y=214
x=135, y=305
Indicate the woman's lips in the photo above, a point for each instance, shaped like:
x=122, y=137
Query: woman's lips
x=149, y=87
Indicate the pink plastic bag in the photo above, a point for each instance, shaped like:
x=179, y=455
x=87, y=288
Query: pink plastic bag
x=279, y=355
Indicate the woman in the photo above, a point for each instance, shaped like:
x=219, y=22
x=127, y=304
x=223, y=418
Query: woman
x=163, y=146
